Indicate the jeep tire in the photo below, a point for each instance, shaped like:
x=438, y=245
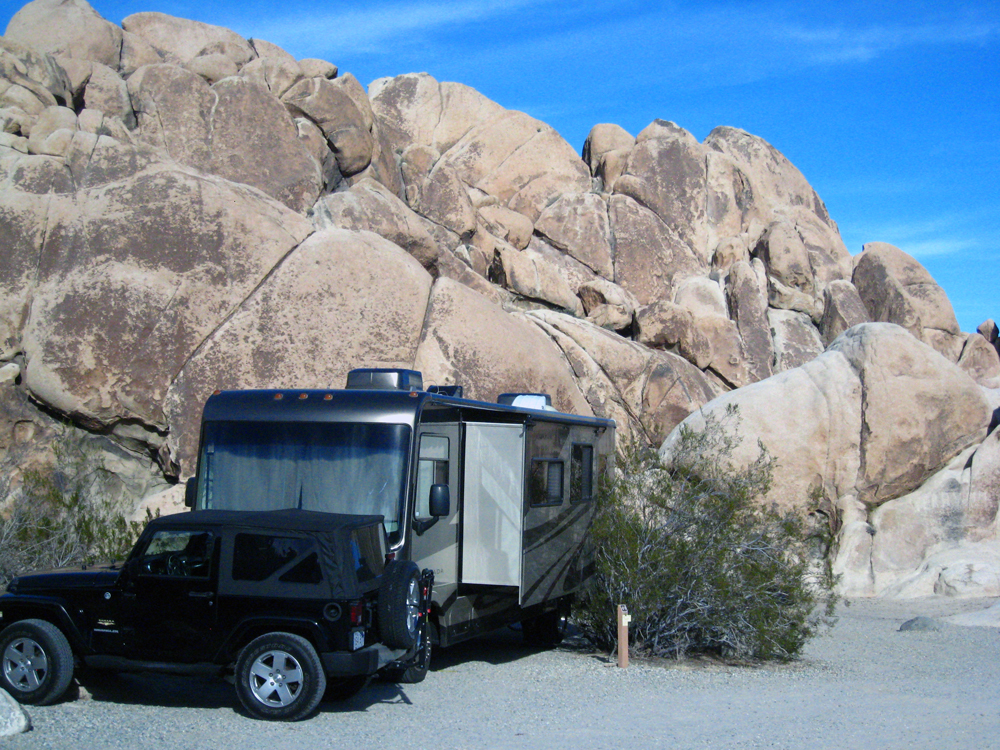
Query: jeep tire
x=399, y=603
x=36, y=662
x=279, y=677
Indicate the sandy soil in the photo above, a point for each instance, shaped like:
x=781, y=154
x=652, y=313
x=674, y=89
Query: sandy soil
x=863, y=685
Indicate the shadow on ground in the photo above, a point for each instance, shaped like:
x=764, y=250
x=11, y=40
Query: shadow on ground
x=205, y=692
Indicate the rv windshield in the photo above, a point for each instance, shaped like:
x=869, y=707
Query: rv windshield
x=333, y=467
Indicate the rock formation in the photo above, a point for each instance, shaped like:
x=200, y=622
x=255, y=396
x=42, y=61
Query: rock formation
x=184, y=210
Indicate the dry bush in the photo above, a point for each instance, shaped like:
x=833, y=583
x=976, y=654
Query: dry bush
x=62, y=516
x=702, y=564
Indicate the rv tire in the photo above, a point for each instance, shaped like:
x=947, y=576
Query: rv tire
x=546, y=630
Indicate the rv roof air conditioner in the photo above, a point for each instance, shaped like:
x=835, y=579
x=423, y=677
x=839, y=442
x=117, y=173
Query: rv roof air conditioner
x=379, y=379
x=540, y=401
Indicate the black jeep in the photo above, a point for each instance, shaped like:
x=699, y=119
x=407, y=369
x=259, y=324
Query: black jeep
x=294, y=603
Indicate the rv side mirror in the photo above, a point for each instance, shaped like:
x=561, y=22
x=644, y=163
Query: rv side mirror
x=190, y=491
x=440, y=500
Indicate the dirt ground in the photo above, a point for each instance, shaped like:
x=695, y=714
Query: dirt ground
x=863, y=685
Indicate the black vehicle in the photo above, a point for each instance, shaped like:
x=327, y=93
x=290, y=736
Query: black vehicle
x=294, y=603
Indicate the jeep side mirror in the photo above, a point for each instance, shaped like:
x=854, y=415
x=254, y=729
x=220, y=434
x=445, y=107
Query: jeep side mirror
x=190, y=491
x=440, y=500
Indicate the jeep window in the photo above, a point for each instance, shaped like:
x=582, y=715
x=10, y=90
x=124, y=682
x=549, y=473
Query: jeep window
x=335, y=467
x=581, y=481
x=432, y=468
x=258, y=557
x=178, y=553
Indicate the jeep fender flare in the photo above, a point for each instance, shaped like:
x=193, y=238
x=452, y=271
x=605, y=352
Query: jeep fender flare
x=48, y=609
x=251, y=627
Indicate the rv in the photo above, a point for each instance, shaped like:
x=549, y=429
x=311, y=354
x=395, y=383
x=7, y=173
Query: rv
x=494, y=499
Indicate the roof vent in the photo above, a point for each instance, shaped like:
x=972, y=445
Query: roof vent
x=539, y=401
x=376, y=379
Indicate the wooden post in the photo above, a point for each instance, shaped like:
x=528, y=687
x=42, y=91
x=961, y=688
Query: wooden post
x=624, y=618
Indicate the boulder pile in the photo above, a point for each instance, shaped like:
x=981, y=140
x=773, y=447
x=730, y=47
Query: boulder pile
x=184, y=209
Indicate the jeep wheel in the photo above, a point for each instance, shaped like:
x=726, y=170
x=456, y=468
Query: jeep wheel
x=399, y=602
x=279, y=676
x=36, y=662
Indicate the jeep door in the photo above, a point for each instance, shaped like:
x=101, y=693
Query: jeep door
x=168, y=601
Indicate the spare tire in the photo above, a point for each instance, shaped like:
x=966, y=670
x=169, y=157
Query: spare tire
x=399, y=603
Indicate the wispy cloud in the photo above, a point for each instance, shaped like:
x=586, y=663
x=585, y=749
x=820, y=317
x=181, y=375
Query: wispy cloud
x=381, y=28
x=927, y=238
x=842, y=44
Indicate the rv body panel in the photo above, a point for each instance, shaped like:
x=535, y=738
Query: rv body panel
x=520, y=485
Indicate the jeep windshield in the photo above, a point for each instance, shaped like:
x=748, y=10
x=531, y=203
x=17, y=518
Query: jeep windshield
x=333, y=467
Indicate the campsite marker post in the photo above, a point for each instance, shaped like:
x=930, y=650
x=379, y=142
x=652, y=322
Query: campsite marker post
x=624, y=618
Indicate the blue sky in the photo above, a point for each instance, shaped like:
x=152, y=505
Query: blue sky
x=891, y=110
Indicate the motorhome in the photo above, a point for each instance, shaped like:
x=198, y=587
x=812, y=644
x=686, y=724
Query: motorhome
x=494, y=498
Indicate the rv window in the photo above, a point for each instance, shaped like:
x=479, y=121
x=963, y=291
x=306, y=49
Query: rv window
x=546, y=486
x=581, y=481
x=333, y=467
x=432, y=468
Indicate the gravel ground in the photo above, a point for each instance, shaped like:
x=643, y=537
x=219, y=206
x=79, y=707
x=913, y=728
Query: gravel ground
x=862, y=685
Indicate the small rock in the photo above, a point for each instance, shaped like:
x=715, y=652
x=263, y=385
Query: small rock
x=13, y=719
x=921, y=623
x=9, y=373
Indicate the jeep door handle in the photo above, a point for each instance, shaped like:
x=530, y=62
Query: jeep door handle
x=201, y=594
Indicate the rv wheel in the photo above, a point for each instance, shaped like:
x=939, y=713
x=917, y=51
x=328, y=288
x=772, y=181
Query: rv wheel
x=399, y=605
x=546, y=630
x=417, y=671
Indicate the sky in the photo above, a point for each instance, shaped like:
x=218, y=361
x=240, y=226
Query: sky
x=891, y=110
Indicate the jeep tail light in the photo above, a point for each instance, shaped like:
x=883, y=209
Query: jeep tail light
x=357, y=613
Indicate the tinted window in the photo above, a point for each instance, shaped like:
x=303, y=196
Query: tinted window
x=329, y=467
x=545, y=485
x=581, y=487
x=257, y=557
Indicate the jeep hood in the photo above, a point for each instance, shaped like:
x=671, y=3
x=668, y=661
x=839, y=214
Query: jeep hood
x=90, y=576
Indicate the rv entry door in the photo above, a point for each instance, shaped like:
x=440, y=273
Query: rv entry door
x=436, y=547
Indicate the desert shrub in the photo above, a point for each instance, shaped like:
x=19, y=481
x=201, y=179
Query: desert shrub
x=703, y=565
x=60, y=518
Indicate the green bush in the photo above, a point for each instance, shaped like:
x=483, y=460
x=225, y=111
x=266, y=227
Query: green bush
x=54, y=522
x=703, y=565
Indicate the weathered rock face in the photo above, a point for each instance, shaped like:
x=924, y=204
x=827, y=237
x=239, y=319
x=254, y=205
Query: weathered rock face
x=864, y=425
x=322, y=312
x=67, y=28
x=471, y=341
x=919, y=410
x=178, y=40
x=236, y=129
x=897, y=289
x=183, y=209
x=515, y=158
